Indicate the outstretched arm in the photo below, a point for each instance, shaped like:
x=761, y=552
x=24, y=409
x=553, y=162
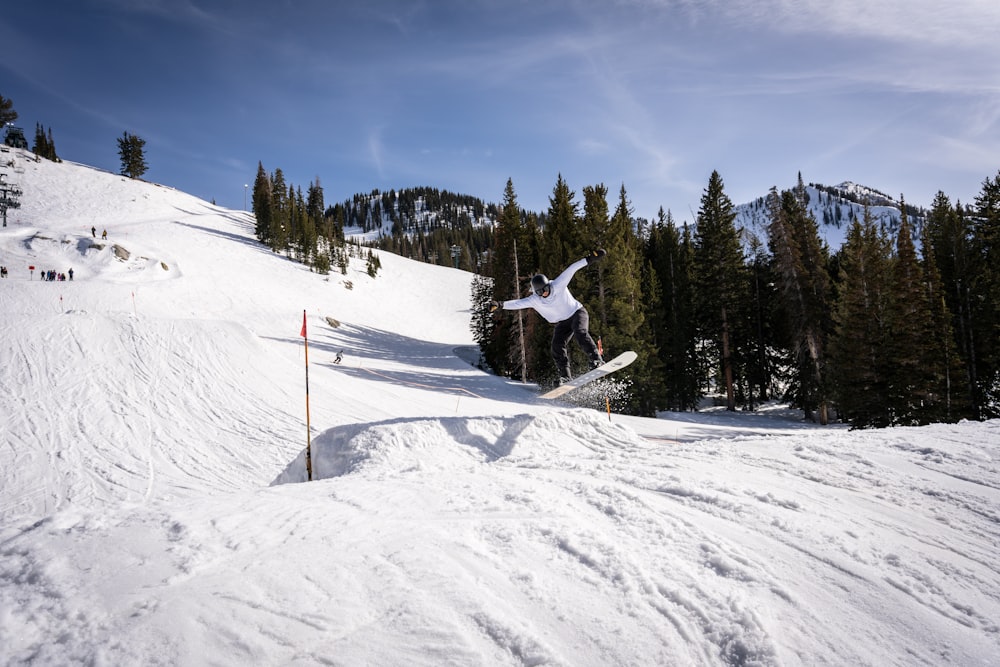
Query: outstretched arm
x=514, y=304
x=568, y=273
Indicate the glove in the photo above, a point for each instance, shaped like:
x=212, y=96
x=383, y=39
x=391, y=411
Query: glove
x=494, y=305
x=596, y=255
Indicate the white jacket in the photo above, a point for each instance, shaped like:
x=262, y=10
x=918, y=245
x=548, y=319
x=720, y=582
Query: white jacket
x=559, y=305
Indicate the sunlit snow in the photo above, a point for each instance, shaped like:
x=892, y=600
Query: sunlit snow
x=153, y=509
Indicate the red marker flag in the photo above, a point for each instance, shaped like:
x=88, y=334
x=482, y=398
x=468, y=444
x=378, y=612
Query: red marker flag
x=303, y=332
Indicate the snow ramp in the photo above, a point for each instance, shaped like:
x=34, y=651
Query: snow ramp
x=399, y=446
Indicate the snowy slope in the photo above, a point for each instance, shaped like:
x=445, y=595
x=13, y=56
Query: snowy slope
x=152, y=509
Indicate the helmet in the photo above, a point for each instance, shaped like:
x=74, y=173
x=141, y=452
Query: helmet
x=539, y=283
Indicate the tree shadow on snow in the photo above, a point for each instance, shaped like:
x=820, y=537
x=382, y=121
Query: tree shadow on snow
x=229, y=236
x=439, y=367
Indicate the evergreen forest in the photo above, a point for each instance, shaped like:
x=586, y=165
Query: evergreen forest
x=900, y=325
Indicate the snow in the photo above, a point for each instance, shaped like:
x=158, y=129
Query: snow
x=832, y=214
x=153, y=509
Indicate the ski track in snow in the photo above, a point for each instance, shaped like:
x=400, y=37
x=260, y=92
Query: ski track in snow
x=152, y=509
x=141, y=412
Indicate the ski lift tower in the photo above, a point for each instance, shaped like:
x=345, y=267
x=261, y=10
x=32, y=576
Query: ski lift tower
x=9, y=196
x=10, y=193
x=14, y=137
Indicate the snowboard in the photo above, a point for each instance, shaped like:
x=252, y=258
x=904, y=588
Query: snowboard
x=616, y=364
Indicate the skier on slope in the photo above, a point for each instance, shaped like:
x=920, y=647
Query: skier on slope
x=553, y=301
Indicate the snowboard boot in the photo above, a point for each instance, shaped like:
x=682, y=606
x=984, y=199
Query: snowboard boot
x=596, y=361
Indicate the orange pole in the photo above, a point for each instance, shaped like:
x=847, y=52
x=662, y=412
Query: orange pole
x=309, y=467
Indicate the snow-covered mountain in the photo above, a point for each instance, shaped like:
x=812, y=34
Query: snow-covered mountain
x=152, y=450
x=834, y=208
x=420, y=210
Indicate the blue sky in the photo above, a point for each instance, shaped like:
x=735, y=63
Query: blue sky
x=899, y=95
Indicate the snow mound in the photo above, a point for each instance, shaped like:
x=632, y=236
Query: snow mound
x=398, y=446
x=88, y=257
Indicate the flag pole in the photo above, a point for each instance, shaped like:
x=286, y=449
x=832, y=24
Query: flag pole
x=309, y=468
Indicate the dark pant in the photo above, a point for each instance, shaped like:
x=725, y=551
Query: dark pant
x=573, y=327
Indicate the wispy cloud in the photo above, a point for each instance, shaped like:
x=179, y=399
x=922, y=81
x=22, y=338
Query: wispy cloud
x=930, y=22
x=186, y=12
x=652, y=93
x=376, y=151
x=959, y=22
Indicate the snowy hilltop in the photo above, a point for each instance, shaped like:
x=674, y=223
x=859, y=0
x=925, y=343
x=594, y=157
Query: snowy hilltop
x=154, y=508
x=834, y=208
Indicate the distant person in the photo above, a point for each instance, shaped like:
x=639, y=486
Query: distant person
x=553, y=301
x=339, y=358
x=71, y=273
x=93, y=232
x=104, y=235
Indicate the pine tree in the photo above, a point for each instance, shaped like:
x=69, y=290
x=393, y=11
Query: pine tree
x=44, y=145
x=859, y=365
x=299, y=246
x=560, y=246
x=686, y=344
x=280, y=212
x=483, y=323
x=594, y=232
x=986, y=308
x=912, y=360
x=342, y=260
x=315, y=208
x=537, y=332
x=7, y=112
x=628, y=327
x=38, y=148
x=948, y=239
x=262, y=206
x=800, y=262
x=766, y=328
x=670, y=253
x=947, y=380
x=373, y=264
x=50, y=142
x=131, y=150
x=322, y=262
x=718, y=281
x=506, y=352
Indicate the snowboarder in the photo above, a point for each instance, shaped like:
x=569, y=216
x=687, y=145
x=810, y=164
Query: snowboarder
x=553, y=301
